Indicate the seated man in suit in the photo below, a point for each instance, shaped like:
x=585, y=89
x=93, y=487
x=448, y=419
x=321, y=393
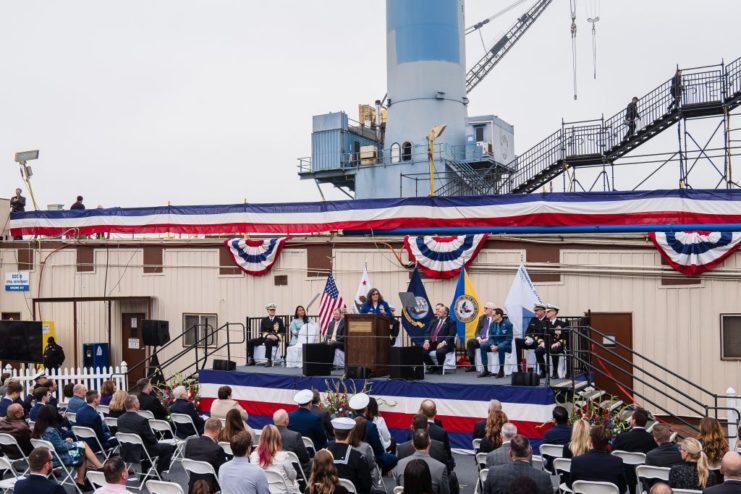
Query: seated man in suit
x=323, y=414
x=148, y=399
x=40, y=463
x=479, y=428
x=116, y=476
x=439, y=338
x=41, y=396
x=428, y=408
x=15, y=425
x=438, y=470
x=499, y=339
x=501, y=456
x=88, y=416
x=292, y=440
x=598, y=464
x=730, y=468
x=560, y=433
x=636, y=440
x=500, y=477
x=666, y=454
x=305, y=422
x=132, y=422
x=335, y=335
x=206, y=448
x=481, y=335
x=437, y=451
x=77, y=400
x=350, y=463
x=13, y=392
x=183, y=405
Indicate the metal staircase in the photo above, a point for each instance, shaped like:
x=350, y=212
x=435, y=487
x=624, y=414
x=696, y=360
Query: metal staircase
x=713, y=90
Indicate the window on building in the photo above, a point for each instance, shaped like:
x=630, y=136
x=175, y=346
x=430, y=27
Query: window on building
x=479, y=132
x=197, y=327
x=406, y=151
x=395, y=152
x=730, y=336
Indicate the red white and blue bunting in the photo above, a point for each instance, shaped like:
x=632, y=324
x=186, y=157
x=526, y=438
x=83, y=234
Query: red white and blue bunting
x=693, y=253
x=443, y=257
x=255, y=257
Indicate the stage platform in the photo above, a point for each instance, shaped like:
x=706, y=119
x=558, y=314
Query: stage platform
x=462, y=399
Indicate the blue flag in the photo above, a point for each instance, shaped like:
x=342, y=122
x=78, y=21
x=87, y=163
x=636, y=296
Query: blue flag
x=415, y=319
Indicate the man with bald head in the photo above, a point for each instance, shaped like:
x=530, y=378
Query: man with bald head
x=292, y=440
x=428, y=408
x=15, y=424
x=730, y=468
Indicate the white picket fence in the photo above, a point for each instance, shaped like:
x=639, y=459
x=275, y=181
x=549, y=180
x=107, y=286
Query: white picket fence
x=91, y=378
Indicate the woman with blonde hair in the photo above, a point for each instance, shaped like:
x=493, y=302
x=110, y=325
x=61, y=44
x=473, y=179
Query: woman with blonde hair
x=269, y=455
x=116, y=406
x=492, y=431
x=713, y=441
x=324, y=478
x=579, y=443
x=693, y=472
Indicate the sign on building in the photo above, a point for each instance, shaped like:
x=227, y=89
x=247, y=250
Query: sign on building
x=17, y=281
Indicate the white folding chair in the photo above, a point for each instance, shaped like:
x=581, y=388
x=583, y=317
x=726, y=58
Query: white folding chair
x=590, y=487
x=562, y=465
x=146, y=414
x=649, y=472
x=296, y=464
x=481, y=460
x=483, y=473
x=399, y=489
x=162, y=429
x=686, y=491
x=537, y=462
x=277, y=483
x=111, y=423
x=103, y=409
x=200, y=468
x=185, y=420
x=630, y=457
x=347, y=484
x=476, y=443
x=161, y=487
x=227, y=447
x=6, y=466
x=68, y=474
x=135, y=441
x=82, y=433
x=10, y=441
x=309, y=444
x=96, y=478
x=71, y=417
x=551, y=451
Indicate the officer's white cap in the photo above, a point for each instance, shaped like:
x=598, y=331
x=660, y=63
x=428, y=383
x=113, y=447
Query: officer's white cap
x=359, y=401
x=303, y=397
x=343, y=423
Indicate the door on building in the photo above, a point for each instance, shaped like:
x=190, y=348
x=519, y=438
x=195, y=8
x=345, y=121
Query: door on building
x=133, y=345
x=616, y=327
x=10, y=316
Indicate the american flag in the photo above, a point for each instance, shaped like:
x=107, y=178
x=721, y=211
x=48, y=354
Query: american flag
x=331, y=300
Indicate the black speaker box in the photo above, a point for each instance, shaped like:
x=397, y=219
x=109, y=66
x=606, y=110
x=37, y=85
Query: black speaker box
x=318, y=359
x=155, y=333
x=525, y=379
x=407, y=363
x=225, y=365
x=358, y=373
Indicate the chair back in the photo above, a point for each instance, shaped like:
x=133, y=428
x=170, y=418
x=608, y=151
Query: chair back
x=309, y=444
x=6, y=466
x=185, y=419
x=276, y=482
x=476, y=443
x=198, y=467
x=537, y=462
x=103, y=409
x=630, y=457
x=96, y=478
x=81, y=432
x=652, y=472
x=481, y=460
x=161, y=427
x=8, y=440
x=347, y=484
x=161, y=487
x=483, y=473
x=399, y=489
x=227, y=447
x=146, y=414
x=552, y=450
x=590, y=487
x=71, y=416
x=111, y=422
x=562, y=465
x=293, y=457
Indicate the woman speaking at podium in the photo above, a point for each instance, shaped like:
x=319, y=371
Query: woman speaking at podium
x=374, y=304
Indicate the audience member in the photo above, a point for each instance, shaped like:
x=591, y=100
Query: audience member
x=388, y=442
x=271, y=329
x=238, y=476
x=324, y=478
x=323, y=414
x=439, y=338
x=15, y=425
x=523, y=485
x=183, y=405
x=69, y=452
x=149, y=400
x=307, y=423
x=52, y=385
x=13, y=389
x=666, y=453
x=4, y=379
x=437, y=448
x=269, y=455
x=693, y=472
x=233, y=425
x=88, y=416
x=358, y=440
x=78, y=204
x=106, y=392
x=349, y=463
x=359, y=404
x=598, y=464
x=438, y=470
x=335, y=334
x=560, y=433
x=429, y=410
x=116, y=407
x=206, y=448
x=713, y=441
x=501, y=456
x=730, y=469
x=661, y=488
x=116, y=476
x=68, y=391
x=299, y=319
x=579, y=443
x=224, y=403
x=292, y=440
x=417, y=478
x=637, y=440
x=500, y=477
x=40, y=464
x=77, y=400
x=479, y=428
x=41, y=396
x=132, y=422
x=499, y=341
x=493, y=433
x=480, y=336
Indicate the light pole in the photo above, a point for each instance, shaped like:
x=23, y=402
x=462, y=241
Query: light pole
x=435, y=132
x=26, y=172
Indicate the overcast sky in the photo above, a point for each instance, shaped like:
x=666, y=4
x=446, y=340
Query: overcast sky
x=136, y=103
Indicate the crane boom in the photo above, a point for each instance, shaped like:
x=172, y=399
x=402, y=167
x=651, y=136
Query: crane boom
x=480, y=70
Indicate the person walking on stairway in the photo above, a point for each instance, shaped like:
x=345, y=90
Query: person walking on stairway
x=631, y=114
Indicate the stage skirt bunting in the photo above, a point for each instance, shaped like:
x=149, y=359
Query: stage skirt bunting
x=255, y=257
x=588, y=209
x=459, y=406
x=693, y=253
x=443, y=257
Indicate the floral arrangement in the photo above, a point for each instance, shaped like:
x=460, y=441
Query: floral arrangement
x=337, y=398
x=191, y=385
x=597, y=412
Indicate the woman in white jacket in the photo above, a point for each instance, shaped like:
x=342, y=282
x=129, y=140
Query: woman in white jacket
x=269, y=455
x=386, y=440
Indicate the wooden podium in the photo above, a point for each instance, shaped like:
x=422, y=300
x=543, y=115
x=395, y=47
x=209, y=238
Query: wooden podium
x=367, y=342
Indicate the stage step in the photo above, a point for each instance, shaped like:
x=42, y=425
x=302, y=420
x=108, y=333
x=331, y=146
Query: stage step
x=610, y=405
x=566, y=385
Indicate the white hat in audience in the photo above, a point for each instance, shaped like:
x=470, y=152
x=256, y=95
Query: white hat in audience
x=552, y=307
x=359, y=401
x=343, y=423
x=303, y=397
x=271, y=307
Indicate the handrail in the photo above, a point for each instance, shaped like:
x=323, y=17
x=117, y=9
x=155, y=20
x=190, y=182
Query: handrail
x=210, y=351
x=172, y=341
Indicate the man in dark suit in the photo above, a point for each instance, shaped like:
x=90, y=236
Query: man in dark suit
x=438, y=470
x=560, y=433
x=359, y=404
x=429, y=410
x=321, y=413
x=500, y=477
x=306, y=423
x=666, y=454
x=183, y=406
x=636, y=440
x=500, y=455
x=40, y=463
x=440, y=338
x=437, y=451
x=350, y=463
x=148, y=400
x=88, y=416
x=481, y=336
x=730, y=468
x=533, y=339
x=598, y=464
x=479, y=428
x=335, y=335
x=206, y=448
x=292, y=440
x=134, y=423
x=271, y=329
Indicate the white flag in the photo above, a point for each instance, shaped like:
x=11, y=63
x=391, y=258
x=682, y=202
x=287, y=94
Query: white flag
x=520, y=301
x=363, y=288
